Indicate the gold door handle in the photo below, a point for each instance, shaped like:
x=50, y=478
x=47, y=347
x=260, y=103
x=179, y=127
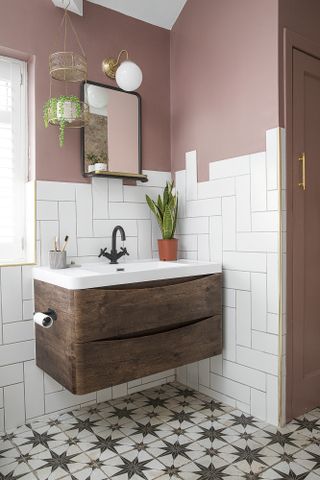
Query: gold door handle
x=302, y=159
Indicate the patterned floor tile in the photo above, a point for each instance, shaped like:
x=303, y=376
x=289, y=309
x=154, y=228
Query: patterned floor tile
x=165, y=433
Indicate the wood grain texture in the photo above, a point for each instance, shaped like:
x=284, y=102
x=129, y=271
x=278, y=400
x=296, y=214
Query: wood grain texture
x=108, y=336
x=149, y=309
x=138, y=357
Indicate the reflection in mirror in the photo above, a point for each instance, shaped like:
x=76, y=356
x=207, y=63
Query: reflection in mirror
x=111, y=140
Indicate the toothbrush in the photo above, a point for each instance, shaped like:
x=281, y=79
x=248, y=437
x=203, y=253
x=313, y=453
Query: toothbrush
x=65, y=243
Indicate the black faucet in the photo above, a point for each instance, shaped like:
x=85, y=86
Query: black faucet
x=114, y=256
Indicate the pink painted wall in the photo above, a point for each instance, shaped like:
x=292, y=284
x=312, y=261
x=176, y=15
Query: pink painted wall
x=224, y=79
x=300, y=17
x=30, y=27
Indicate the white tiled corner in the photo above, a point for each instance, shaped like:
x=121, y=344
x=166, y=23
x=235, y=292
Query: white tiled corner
x=181, y=188
x=14, y=406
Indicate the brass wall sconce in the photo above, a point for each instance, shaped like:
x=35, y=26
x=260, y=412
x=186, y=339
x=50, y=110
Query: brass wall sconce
x=128, y=74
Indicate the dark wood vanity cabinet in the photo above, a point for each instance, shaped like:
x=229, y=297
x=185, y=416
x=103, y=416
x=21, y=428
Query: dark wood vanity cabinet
x=111, y=335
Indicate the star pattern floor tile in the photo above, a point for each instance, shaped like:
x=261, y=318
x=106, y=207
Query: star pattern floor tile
x=167, y=433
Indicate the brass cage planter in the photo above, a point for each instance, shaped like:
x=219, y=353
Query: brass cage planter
x=71, y=119
x=68, y=67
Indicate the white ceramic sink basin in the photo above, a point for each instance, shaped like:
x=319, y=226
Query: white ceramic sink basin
x=92, y=275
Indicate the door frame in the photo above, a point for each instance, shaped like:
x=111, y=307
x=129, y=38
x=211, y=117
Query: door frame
x=291, y=41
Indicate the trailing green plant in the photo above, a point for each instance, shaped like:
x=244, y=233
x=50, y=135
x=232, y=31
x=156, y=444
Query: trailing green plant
x=165, y=210
x=54, y=114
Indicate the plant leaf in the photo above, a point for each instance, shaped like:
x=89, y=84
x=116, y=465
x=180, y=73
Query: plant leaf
x=155, y=210
x=167, y=223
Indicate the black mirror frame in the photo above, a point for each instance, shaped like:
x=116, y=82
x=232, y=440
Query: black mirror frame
x=126, y=175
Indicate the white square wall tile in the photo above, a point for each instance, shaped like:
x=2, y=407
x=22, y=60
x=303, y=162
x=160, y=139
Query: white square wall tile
x=229, y=223
x=216, y=239
x=193, y=375
x=229, y=333
x=223, y=187
x=243, y=208
x=14, y=406
x=55, y=191
x=68, y=226
x=84, y=210
x=257, y=242
x=203, y=208
x=246, y=375
x=47, y=210
x=34, y=390
x=229, y=297
x=180, y=183
x=104, y=228
x=216, y=363
x=259, y=301
x=236, y=280
x=127, y=211
x=11, y=289
x=203, y=248
x=27, y=283
x=272, y=399
x=273, y=283
x=243, y=318
x=191, y=226
x=16, y=352
x=265, y=362
x=191, y=176
x=49, y=230
x=265, y=221
x=265, y=342
x=230, y=167
x=18, y=332
x=144, y=239
x=252, y=262
x=230, y=388
x=258, y=404
x=272, y=147
x=115, y=190
x=138, y=195
x=11, y=374
x=100, y=197
x=156, y=179
x=258, y=181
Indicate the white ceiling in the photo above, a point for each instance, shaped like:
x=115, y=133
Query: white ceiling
x=162, y=13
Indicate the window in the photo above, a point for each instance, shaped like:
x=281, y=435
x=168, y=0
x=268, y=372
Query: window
x=14, y=200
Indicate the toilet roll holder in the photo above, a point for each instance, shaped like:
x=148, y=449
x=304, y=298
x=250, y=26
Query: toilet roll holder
x=45, y=319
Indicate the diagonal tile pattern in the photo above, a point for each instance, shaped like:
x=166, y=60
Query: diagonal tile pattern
x=167, y=433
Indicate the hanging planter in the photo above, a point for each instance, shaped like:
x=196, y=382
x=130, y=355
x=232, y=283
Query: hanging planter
x=68, y=67
x=65, y=112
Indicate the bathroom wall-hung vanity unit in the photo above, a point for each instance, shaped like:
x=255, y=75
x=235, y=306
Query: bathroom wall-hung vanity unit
x=117, y=323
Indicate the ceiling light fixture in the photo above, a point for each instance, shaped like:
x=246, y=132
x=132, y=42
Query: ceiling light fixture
x=128, y=74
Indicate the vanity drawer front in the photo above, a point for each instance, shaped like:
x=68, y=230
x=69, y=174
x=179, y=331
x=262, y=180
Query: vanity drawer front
x=111, y=313
x=104, y=363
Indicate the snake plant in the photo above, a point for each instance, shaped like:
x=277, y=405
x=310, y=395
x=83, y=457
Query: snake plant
x=165, y=210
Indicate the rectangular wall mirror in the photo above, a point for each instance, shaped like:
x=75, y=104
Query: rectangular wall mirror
x=111, y=141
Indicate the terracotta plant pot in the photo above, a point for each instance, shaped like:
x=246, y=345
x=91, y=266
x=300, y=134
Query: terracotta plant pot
x=168, y=249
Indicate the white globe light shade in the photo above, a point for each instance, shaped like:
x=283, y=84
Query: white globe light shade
x=129, y=76
x=97, y=96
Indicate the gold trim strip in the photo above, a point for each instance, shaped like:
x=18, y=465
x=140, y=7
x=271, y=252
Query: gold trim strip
x=280, y=279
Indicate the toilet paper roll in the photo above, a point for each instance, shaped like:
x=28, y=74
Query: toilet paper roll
x=43, y=319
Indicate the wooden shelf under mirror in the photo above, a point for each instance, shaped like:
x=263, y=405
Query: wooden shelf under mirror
x=132, y=176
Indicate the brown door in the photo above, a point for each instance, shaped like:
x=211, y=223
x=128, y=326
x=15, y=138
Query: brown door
x=305, y=312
